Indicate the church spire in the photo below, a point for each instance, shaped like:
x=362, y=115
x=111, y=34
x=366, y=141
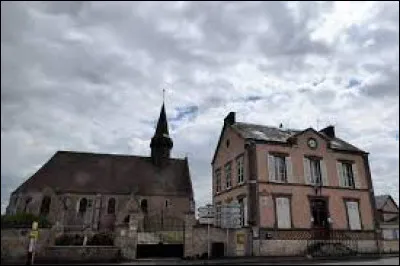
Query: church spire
x=162, y=124
x=161, y=144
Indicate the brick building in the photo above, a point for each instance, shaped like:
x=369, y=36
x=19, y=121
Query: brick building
x=294, y=183
x=388, y=217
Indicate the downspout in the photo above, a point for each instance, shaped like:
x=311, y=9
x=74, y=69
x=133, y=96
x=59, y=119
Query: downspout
x=374, y=212
x=252, y=188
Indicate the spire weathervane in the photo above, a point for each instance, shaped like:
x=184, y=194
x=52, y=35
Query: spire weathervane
x=163, y=95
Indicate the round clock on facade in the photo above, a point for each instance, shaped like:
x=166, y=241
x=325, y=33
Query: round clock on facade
x=312, y=143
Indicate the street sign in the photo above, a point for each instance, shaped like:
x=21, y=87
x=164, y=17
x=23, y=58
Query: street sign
x=230, y=216
x=206, y=220
x=206, y=211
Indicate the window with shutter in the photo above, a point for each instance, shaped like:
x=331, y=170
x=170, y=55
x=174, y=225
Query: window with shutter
x=307, y=174
x=218, y=180
x=271, y=168
x=353, y=215
x=289, y=170
x=283, y=212
x=243, y=208
x=280, y=169
x=347, y=175
x=315, y=171
x=239, y=170
x=228, y=175
x=339, y=167
x=324, y=173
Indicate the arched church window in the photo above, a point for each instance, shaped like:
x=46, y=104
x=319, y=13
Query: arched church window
x=111, y=206
x=143, y=205
x=27, y=201
x=126, y=220
x=82, y=206
x=45, y=207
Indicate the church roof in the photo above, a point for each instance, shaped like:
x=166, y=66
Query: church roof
x=82, y=172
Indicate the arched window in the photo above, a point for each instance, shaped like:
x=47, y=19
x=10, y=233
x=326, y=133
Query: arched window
x=27, y=201
x=45, y=207
x=143, y=205
x=82, y=206
x=167, y=203
x=111, y=206
x=126, y=220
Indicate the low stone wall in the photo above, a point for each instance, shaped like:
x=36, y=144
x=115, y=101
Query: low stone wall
x=390, y=246
x=196, y=241
x=367, y=246
x=299, y=247
x=15, y=242
x=280, y=247
x=63, y=254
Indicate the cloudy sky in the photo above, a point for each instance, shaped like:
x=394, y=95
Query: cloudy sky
x=88, y=76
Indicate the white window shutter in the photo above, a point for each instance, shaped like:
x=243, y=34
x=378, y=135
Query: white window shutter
x=289, y=170
x=324, y=173
x=353, y=215
x=355, y=176
x=340, y=174
x=271, y=167
x=283, y=212
x=307, y=172
x=245, y=211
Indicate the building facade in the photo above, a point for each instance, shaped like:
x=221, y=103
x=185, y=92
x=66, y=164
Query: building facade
x=293, y=182
x=388, y=215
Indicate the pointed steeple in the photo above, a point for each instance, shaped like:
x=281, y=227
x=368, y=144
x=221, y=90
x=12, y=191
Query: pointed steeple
x=162, y=124
x=161, y=144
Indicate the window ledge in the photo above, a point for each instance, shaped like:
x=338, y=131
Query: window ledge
x=279, y=182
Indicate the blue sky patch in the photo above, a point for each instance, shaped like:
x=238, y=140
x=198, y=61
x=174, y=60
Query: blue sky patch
x=352, y=83
x=184, y=112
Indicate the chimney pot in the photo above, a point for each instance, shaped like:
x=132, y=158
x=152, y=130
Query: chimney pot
x=230, y=118
x=329, y=131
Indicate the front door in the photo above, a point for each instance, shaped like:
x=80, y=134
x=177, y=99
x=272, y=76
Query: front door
x=319, y=212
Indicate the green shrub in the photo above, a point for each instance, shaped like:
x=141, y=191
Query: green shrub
x=101, y=239
x=69, y=240
x=23, y=220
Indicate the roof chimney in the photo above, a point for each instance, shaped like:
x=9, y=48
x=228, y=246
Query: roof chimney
x=230, y=119
x=329, y=131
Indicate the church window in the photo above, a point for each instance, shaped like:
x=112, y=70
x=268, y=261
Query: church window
x=143, y=205
x=167, y=203
x=111, y=206
x=82, y=206
x=27, y=201
x=126, y=219
x=45, y=207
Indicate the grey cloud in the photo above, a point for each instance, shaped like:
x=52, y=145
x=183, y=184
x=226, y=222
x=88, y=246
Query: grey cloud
x=387, y=85
x=88, y=76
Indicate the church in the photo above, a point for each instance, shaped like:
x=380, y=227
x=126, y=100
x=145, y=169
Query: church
x=99, y=192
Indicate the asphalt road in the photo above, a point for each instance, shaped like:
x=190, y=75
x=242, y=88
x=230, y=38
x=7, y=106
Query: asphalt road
x=384, y=261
